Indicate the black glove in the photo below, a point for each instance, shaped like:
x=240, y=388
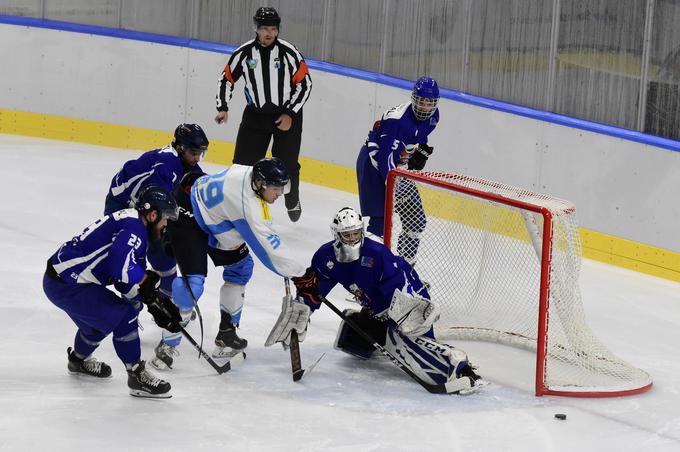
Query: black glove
x=165, y=313
x=307, y=286
x=166, y=243
x=188, y=180
x=149, y=287
x=419, y=158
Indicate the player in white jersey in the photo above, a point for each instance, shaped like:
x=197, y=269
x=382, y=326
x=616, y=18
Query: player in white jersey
x=225, y=216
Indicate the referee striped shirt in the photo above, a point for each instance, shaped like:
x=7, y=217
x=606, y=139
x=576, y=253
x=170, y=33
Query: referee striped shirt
x=277, y=78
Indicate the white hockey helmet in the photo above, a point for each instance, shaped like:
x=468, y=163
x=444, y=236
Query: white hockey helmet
x=348, y=231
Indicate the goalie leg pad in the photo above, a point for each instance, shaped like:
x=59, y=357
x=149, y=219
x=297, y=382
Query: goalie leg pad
x=349, y=341
x=432, y=361
x=232, y=297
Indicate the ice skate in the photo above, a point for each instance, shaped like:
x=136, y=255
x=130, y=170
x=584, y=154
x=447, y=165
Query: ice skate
x=87, y=366
x=295, y=212
x=228, y=344
x=165, y=355
x=143, y=383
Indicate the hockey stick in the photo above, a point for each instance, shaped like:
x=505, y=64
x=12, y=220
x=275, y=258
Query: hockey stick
x=448, y=388
x=295, y=359
x=220, y=369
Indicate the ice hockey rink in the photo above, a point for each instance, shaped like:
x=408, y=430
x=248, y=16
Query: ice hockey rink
x=53, y=189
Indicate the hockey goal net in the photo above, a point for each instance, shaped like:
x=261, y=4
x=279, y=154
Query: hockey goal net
x=503, y=263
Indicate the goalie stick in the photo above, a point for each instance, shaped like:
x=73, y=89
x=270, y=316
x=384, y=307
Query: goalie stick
x=447, y=388
x=219, y=369
x=295, y=359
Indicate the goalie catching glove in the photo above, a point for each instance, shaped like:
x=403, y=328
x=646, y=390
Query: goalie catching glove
x=307, y=286
x=294, y=316
x=419, y=158
x=413, y=314
x=160, y=306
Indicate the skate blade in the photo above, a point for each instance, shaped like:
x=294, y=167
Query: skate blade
x=159, y=364
x=88, y=376
x=146, y=395
x=234, y=360
x=227, y=354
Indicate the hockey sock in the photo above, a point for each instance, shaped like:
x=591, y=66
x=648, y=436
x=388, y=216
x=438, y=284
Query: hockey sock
x=231, y=301
x=86, y=341
x=184, y=296
x=126, y=338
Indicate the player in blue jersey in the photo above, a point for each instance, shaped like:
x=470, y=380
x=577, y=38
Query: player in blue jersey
x=396, y=309
x=225, y=216
x=398, y=140
x=163, y=167
x=112, y=251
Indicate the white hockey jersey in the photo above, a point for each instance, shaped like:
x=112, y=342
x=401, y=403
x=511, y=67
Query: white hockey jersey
x=230, y=212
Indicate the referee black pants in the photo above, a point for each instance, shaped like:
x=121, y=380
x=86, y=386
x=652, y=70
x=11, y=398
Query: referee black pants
x=254, y=134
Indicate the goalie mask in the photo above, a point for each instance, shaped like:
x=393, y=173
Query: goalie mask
x=348, y=231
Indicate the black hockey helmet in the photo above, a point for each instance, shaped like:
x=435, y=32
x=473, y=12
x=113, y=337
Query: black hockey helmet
x=266, y=16
x=155, y=197
x=270, y=171
x=190, y=137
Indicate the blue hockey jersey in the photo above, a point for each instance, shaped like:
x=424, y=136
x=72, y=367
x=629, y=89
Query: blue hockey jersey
x=389, y=145
x=158, y=167
x=112, y=250
x=372, y=278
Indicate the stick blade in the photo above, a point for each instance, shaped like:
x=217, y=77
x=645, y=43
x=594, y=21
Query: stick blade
x=297, y=376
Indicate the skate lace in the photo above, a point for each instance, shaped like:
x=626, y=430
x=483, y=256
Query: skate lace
x=149, y=378
x=168, y=350
x=92, y=365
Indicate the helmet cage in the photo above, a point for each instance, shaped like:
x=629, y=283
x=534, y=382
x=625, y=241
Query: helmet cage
x=347, y=229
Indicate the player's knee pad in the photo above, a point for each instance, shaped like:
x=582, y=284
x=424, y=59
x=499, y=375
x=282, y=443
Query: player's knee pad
x=185, y=290
x=349, y=341
x=232, y=297
x=239, y=272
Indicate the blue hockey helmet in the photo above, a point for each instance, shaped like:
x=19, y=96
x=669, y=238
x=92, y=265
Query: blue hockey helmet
x=266, y=16
x=269, y=172
x=190, y=137
x=155, y=197
x=424, y=98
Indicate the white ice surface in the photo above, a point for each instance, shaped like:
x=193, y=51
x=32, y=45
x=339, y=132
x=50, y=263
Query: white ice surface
x=52, y=190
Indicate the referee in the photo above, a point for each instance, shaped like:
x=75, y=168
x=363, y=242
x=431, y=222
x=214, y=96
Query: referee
x=277, y=86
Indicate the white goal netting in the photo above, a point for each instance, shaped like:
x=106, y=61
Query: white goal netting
x=480, y=245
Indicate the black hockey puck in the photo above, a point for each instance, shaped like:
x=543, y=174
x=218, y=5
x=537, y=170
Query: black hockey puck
x=560, y=416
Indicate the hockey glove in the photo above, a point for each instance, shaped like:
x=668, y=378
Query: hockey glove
x=307, y=286
x=294, y=316
x=419, y=157
x=148, y=287
x=188, y=180
x=165, y=313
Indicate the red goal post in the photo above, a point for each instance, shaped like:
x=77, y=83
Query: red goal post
x=503, y=263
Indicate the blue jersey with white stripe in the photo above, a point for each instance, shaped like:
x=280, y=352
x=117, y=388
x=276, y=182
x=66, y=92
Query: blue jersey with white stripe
x=162, y=167
x=112, y=250
x=372, y=278
x=395, y=132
